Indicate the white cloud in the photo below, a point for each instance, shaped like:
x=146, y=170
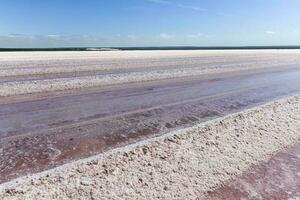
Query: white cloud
x=195, y=8
x=52, y=40
x=131, y=36
x=222, y=14
x=190, y=7
x=53, y=36
x=195, y=36
x=270, y=32
x=160, y=1
x=198, y=36
x=15, y=35
x=19, y=36
x=166, y=36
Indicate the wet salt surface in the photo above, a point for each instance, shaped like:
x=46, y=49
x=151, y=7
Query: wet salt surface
x=279, y=178
x=40, y=134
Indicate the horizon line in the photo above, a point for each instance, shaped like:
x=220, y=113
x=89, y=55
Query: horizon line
x=107, y=48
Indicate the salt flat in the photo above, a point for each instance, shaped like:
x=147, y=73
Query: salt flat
x=60, y=107
x=25, y=73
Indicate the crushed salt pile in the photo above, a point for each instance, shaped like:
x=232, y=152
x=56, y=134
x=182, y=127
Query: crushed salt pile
x=184, y=164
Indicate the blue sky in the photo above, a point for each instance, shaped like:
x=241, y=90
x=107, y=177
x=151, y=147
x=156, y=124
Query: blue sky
x=65, y=23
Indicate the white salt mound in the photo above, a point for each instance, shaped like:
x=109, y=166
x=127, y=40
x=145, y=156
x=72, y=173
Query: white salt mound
x=184, y=164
